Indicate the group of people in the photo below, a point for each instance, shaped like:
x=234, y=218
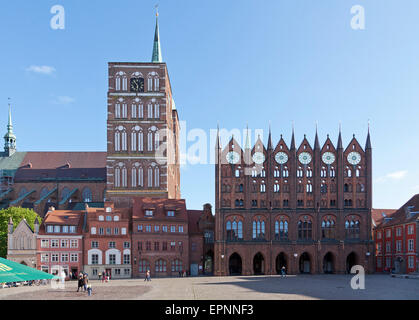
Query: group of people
x=105, y=276
x=83, y=283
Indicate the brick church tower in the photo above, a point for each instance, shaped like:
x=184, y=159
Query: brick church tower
x=142, y=131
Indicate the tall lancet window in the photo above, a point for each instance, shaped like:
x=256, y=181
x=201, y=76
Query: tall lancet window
x=134, y=177
x=124, y=177
x=150, y=111
x=124, y=140
x=124, y=84
x=156, y=177
x=118, y=83
x=117, y=110
x=156, y=111
x=140, y=177
x=140, y=110
x=117, y=177
x=117, y=143
x=134, y=140
x=150, y=177
x=156, y=84
x=150, y=84
x=150, y=141
x=140, y=140
x=156, y=140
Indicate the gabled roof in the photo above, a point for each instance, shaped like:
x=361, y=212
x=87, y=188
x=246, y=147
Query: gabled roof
x=378, y=215
x=409, y=212
x=159, y=206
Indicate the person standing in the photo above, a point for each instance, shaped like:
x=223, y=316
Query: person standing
x=80, y=283
x=100, y=275
x=283, y=271
x=85, y=282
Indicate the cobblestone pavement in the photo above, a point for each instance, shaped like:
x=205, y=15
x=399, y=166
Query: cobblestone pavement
x=229, y=288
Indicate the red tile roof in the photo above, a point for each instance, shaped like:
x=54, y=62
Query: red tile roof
x=62, y=165
x=378, y=215
x=63, y=217
x=160, y=206
x=409, y=212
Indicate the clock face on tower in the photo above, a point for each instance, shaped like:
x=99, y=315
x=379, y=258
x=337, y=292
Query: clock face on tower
x=258, y=157
x=304, y=157
x=328, y=158
x=137, y=85
x=233, y=157
x=354, y=158
x=281, y=157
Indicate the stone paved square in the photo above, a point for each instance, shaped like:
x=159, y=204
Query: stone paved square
x=301, y=287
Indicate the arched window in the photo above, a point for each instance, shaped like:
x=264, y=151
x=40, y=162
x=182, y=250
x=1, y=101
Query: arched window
x=323, y=172
x=276, y=187
x=237, y=173
x=323, y=187
x=160, y=266
x=276, y=172
x=140, y=111
x=281, y=229
x=177, y=265
x=150, y=141
x=263, y=173
x=150, y=110
x=134, y=140
x=300, y=172
x=309, y=172
x=118, y=83
x=258, y=228
x=156, y=140
x=143, y=265
x=309, y=188
x=124, y=177
x=134, y=177
x=156, y=111
x=117, y=177
x=328, y=228
x=305, y=228
x=352, y=228
x=156, y=177
x=150, y=177
x=241, y=188
x=285, y=172
x=140, y=177
x=262, y=187
x=117, y=143
x=234, y=229
x=332, y=172
x=87, y=195
x=345, y=187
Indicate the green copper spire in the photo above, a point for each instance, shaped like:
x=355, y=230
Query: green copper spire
x=156, y=57
x=9, y=137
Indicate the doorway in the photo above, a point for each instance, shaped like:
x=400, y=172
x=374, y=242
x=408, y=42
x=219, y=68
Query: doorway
x=235, y=265
x=258, y=264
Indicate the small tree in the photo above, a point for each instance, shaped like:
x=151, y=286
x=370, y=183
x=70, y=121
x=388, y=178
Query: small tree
x=17, y=214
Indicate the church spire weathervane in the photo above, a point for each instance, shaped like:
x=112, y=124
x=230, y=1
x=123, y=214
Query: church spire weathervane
x=157, y=57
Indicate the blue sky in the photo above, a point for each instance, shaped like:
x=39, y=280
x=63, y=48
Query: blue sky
x=232, y=62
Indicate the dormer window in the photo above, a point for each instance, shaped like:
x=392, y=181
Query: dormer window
x=72, y=229
x=50, y=229
x=170, y=213
x=57, y=229
x=65, y=229
x=149, y=213
x=108, y=209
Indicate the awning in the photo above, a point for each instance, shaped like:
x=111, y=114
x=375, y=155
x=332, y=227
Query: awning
x=15, y=272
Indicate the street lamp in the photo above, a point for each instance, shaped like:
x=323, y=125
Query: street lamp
x=222, y=256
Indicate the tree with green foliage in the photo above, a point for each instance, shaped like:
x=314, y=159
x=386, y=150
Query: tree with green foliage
x=17, y=214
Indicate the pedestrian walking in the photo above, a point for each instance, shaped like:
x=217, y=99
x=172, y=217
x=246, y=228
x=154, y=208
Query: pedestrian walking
x=283, y=272
x=80, y=283
x=100, y=275
x=103, y=276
